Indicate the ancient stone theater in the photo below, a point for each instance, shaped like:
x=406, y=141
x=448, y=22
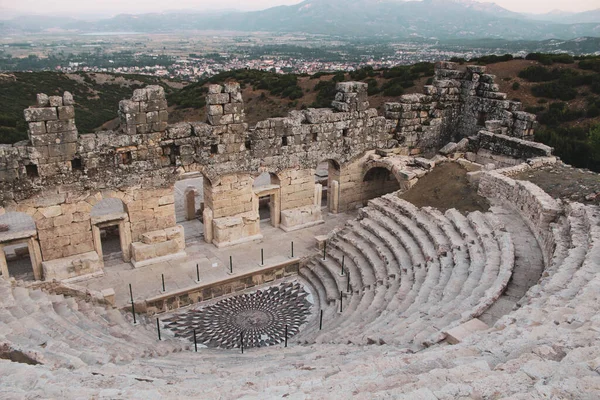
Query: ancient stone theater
x=333, y=253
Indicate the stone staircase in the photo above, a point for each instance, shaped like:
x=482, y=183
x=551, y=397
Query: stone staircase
x=547, y=348
x=67, y=332
x=412, y=274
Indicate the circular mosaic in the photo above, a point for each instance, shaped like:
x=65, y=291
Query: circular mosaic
x=260, y=318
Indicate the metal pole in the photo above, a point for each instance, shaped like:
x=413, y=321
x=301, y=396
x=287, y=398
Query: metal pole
x=158, y=329
x=133, y=312
x=131, y=293
x=321, y=321
x=242, y=341
x=262, y=257
x=343, y=262
x=292, y=249
x=341, y=301
x=197, y=273
x=163, y=281
x=195, y=342
x=231, y=264
x=286, y=335
x=348, y=286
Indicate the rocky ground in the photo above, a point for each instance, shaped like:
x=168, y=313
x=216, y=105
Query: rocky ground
x=565, y=182
x=444, y=188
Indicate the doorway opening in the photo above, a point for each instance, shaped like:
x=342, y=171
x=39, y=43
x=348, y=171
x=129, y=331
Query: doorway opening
x=264, y=208
x=17, y=231
x=266, y=188
x=377, y=182
x=110, y=239
x=19, y=262
x=327, y=172
x=108, y=218
x=189, y=205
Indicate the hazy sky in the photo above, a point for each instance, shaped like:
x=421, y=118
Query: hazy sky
x=107, y=7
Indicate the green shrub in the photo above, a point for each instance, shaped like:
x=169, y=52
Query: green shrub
x=590, y=64
x=535, y=110
x=559, y=113
x=492, y=59
x=578, y=146
x=537, y=73
x=593, y=111
x=554, y=90
x=516, y=86
x=549, y=59
x=325, y=94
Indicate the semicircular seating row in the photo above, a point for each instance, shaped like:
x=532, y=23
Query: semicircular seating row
x=413, y=274
x=547, y=346
x=70, y=332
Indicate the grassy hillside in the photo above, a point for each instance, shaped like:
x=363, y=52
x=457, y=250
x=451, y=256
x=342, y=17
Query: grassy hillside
x=565, y=96
x=97, y=97
x=268, y=94
x=564, y=93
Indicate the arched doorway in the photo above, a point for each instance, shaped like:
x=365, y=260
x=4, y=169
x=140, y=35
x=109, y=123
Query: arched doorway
x=111, y=230
x=266, y=188
x=377, y=182
x=20, y=254
x=327, y=174
x=189, y=205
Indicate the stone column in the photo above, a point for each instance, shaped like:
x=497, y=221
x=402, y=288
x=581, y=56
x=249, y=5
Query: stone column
x=318, y=194
x=97, y=241
x=3, y=264
x=35, y=254
x=276, y=209
x=207, y=217
x=189, y=203
x=125, y=239
x=334, y=197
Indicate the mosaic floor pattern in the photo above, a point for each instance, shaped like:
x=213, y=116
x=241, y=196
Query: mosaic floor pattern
x=260, y=318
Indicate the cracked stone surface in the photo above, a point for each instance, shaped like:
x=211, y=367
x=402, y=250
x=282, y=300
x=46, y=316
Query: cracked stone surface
x=261, y=317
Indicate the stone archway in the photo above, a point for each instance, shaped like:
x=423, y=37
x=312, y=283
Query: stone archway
x=378, y=180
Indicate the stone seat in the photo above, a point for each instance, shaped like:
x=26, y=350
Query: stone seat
x=376, y=247
x=402, y=259
x=590, y=265
x=578, y=226
x=355, y=259
x=340, y=258
x=90, y=334
x=329, y=281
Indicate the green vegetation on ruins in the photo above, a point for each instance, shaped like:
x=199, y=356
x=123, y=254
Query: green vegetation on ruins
x=97, y=97
x=564, y=92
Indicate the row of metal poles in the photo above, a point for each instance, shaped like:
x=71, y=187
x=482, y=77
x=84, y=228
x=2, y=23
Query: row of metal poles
x=343, y=272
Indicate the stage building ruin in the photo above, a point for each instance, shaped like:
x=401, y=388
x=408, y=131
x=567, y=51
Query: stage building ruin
x=71, y=187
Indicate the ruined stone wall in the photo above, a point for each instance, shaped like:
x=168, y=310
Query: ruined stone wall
x=297, y=188
x=54, y=173
x=147, y=152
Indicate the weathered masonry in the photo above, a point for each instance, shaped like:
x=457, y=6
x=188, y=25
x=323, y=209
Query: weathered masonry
x=67, y=186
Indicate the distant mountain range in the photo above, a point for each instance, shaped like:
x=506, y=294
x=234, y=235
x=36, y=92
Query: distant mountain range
x=441, y=19
x=565, y=17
